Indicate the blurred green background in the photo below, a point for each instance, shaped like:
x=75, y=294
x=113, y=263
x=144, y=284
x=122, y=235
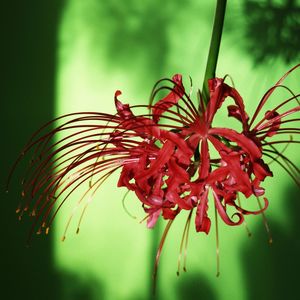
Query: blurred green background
x=67, y=56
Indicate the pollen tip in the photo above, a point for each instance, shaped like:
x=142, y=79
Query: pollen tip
x=18, y=210
x=177, y=273
x=23, y=194
x=218, y=274
x=47, y=230
x=249, y=234
x=39, y=231
x=184, y=269
x=63, y=238
x=77, y=230
x=270, y=241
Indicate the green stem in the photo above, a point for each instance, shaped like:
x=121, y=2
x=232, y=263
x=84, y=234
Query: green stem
x=214, y=47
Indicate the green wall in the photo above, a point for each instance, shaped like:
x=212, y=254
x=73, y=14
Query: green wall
x=72, y=57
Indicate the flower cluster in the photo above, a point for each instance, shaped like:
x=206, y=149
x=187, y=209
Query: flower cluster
x=172, y=157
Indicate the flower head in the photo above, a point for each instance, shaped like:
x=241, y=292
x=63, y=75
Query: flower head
x=172, y=156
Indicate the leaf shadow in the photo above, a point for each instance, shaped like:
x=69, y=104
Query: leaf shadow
x=195, y=286
x=272, y=30
x=271, y=271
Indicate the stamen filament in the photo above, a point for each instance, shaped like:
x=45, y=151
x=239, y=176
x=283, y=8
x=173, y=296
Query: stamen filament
x=249, y=233
x=217, y=243
x=125, y=208
x=266, y=224
x=184, y=241
x=160, y=247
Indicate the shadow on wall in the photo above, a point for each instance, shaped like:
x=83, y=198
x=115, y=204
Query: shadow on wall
x=271, y=271
x=195, y=286
x=76, y=288
x=272, y=30
x=140, y=30
x=134, y=36
x=27, y=101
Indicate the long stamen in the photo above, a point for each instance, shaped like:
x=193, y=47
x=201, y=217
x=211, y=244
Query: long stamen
x=188, y=118
x=269, y=92
x=294, y=175
x=184, y=241
x=125, y=208
x=266, y=224
x=160, y=247
x=90, y=199
x=185, y=98
x=281, y=152
x=249, y=233
x=97, y=183
x=294, y=97
x=260, y=126
x=289, y=164
x=217, y=243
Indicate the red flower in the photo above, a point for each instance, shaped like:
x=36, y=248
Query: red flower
x=164, y=156
x=239, y=167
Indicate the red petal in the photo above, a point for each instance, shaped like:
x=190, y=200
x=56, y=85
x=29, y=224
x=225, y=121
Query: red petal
x=172, y=98
x=269, y=115
x=122, y=109
x=223, y=214
x=218, y=92
x=202, y=221
x=245, y=143
x=247, y=212
x=163, y=156
x=153, y=217
x=205, y=164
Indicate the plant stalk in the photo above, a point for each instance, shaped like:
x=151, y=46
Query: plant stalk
x=210, y=71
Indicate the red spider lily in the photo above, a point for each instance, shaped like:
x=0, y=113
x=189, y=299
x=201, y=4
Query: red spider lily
x=240, y=167
x=231, y=172
x=164, y=156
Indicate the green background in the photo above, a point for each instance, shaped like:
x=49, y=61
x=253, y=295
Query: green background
x=66, y=56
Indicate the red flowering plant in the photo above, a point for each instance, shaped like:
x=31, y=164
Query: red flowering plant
x=163, y=155
x=172, y=156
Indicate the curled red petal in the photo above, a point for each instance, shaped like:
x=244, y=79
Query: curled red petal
x=163, y=156
x=223, y=214
x=255, y=212
x=153, y=217
x=205, y=164
x=244, y=142
x=168, y=101
x=122, y=109
x=170, y=214
x=218, y=92
x=202, y=221
x=269, y=115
